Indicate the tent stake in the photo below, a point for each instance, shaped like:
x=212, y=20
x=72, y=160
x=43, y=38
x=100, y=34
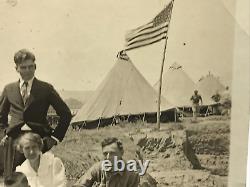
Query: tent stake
x=175, y=115
x=143, y=118
x=99, y=121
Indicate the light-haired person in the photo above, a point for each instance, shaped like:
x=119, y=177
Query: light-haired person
x=16, y=179
x=42, y=170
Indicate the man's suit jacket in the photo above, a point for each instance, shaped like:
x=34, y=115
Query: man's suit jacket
x=34, y=112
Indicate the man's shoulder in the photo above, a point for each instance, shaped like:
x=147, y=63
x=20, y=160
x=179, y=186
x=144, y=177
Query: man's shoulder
x=97, y=166
x=10, y=85
x=44, y=86
x=96, y=169
x=43, y=83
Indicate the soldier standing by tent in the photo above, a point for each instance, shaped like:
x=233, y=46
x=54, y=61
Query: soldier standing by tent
x=196, y=99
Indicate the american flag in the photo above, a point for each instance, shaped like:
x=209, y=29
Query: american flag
x=150, y=33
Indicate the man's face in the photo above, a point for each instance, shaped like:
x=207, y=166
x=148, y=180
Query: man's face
x=110, y=151
x=26, y=69
x=31, y=150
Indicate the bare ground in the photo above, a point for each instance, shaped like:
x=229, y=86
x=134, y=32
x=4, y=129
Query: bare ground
x=209, y=139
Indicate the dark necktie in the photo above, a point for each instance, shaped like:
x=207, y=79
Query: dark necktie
x=24, y=92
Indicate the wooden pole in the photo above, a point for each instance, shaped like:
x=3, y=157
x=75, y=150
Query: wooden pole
x=160, y=81
x=143, y=119
x=99, y=122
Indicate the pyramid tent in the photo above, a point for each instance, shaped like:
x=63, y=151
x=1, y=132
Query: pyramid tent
x=177, y=86
x=208, y=86
x=124, y=91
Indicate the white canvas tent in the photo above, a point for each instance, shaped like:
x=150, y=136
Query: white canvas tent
x=208, y=86
x=177, y=86
x=124, y=91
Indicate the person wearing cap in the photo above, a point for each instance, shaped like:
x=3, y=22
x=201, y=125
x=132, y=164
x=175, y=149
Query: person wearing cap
x=196, y=101
x=23, y=108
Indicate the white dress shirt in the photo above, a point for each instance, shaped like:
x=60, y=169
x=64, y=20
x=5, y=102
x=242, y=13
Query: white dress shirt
x=30, y=82
x=51, y=172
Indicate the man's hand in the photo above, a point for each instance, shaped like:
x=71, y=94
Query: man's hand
x=48, y=143
x=3, y=141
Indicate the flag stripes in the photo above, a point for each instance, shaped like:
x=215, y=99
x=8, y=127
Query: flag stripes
x=151, y=32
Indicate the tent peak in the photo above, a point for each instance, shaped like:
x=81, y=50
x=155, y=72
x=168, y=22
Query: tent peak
x=209, y=75
x=122, y=55
x=175, y=65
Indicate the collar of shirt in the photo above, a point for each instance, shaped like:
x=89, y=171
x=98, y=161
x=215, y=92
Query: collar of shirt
x=121, y=173
x=117, y=173
x=30, y=82
x=21, y=81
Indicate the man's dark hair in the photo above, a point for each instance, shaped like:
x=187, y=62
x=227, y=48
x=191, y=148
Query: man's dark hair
x=108, y=141
x=15, y=177
x=23, y=55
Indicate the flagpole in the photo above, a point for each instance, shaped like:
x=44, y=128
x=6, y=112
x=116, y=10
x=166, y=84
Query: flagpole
x=160, y=81
x=160, y=85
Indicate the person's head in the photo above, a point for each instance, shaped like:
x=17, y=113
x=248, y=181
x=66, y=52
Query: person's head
x=196, y=92
x=16, y=179
x=30, y=144
x=112, y=147
x=25, y=64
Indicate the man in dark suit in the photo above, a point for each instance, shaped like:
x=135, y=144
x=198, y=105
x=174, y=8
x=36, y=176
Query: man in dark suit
x=23, y=108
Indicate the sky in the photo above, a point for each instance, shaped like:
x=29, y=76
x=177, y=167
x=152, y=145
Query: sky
x=76, y=42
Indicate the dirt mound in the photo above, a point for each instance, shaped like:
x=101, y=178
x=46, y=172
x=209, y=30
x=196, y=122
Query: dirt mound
x=174, y=155
x=214, y=144
x=217, y=164
x=172, y=159
x=174, y=148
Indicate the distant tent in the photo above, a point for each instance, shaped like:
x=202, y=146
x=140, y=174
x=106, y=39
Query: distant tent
x=209, y=86
x=81, y=96
x=177, y=86
x=123, y=92
x=73, y=103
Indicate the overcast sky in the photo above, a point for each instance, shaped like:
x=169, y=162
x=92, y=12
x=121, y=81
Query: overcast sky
x=76, y=42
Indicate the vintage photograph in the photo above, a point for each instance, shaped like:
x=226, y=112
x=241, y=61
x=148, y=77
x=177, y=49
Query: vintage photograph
x=117, y=93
